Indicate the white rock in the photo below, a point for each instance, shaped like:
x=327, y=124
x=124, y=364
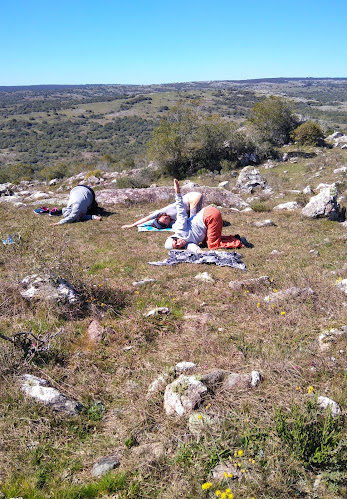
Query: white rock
x=138, y=284
x=158, y=311
x=38, y=389
x=182, y=367
x=326, y=402
x=183, y=395
x=205, y=276
x=342, y=285
x=39, y=195
x=224, y=185
x=291, y=205
x=256, y=378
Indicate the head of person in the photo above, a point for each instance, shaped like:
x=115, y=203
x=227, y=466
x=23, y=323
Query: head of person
x=174, y=242
x=163, y=221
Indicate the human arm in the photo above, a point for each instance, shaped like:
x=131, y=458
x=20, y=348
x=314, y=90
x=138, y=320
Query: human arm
x=138, y=222
x=194, y=248
x=182, y=217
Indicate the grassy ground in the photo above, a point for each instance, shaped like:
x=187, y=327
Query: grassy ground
x=44, y=454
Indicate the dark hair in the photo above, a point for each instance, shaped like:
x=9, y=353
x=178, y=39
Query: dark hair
x=160, y=224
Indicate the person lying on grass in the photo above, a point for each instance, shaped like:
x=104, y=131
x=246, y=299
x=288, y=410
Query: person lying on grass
x=205, y=226
x=80, y=206
x=166, y=217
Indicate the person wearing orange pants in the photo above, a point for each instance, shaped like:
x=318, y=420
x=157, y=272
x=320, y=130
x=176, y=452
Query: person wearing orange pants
x=206, y=226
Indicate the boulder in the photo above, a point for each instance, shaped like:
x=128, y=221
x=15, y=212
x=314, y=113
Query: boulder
x=39, y=389
x=184, y=367
x=323, y=204
x=290, y=206
x=250, y=284
x=6, y=189
x=224, y=185
x=286, y=294
x=165, y=195
x=35, y=287
x=327, y=403
x=250, y=179
x=183, y=395
x=95, y=331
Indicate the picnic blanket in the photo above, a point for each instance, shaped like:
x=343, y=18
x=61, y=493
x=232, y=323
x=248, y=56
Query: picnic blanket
x=146, y=226
x=220, y=258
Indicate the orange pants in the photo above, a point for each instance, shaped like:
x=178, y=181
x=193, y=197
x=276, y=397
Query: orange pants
x=214, y=224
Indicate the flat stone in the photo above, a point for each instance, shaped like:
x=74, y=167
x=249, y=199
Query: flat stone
x=104, y=465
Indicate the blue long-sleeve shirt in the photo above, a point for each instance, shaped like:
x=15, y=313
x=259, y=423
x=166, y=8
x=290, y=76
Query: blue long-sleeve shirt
x=80, y=200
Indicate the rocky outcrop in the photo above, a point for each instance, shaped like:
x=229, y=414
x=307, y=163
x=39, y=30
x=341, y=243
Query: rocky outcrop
x=323, y=204
x=250, y=180
x=39, y=389
x=44, y=287
x=165, y=195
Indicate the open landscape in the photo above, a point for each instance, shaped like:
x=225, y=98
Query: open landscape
x=167, y=382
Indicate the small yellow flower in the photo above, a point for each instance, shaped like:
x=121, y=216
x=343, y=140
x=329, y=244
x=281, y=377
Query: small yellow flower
x=225, y=474
x=230, y=496
x=206, y=485
x=240, y=452
x=199, y=416
x=258, y=305
x=253, y=461
x=230, y=475
x=298, y=388
x=208, y=406
x=310, y=389
x=271, y=280
x=243, y=471
x=235, y=453
x=218, y=493
x=223, y=495
x=137, y=292
x=275, y=290
x=228, y=491
x=283, y=313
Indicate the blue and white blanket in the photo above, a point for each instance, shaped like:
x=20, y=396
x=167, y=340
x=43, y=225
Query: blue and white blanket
x=220, y=258
x=146, y=226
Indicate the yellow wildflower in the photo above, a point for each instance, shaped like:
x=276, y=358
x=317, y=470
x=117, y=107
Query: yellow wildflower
x=230, y=496
x=253, y=461
x=228, y=490
x=230, y=475
x=218, y=493
x=310, y=389
x=225, y=474
x=240, y=452
x=206, y=485
x=283, y=313
x=258, y=305
x=298, y=388
x=223, y=495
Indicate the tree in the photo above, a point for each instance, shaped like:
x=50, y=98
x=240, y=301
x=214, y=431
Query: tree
x=274, y=120
x=187, y=140
x=308, y=134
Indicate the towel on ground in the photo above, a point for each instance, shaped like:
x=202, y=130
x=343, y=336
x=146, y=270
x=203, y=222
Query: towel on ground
x=220, y=258
x=146, y=226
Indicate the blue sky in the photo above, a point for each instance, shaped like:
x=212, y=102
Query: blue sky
x=138, y=42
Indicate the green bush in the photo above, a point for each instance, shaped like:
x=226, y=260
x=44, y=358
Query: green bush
x=308, y=134
x=273, y=119
x=314, y=438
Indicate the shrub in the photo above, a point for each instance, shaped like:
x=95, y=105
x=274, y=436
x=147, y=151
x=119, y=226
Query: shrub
x=308, y=134
x=274, y=120
x=93, y=173
x=313, y=437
